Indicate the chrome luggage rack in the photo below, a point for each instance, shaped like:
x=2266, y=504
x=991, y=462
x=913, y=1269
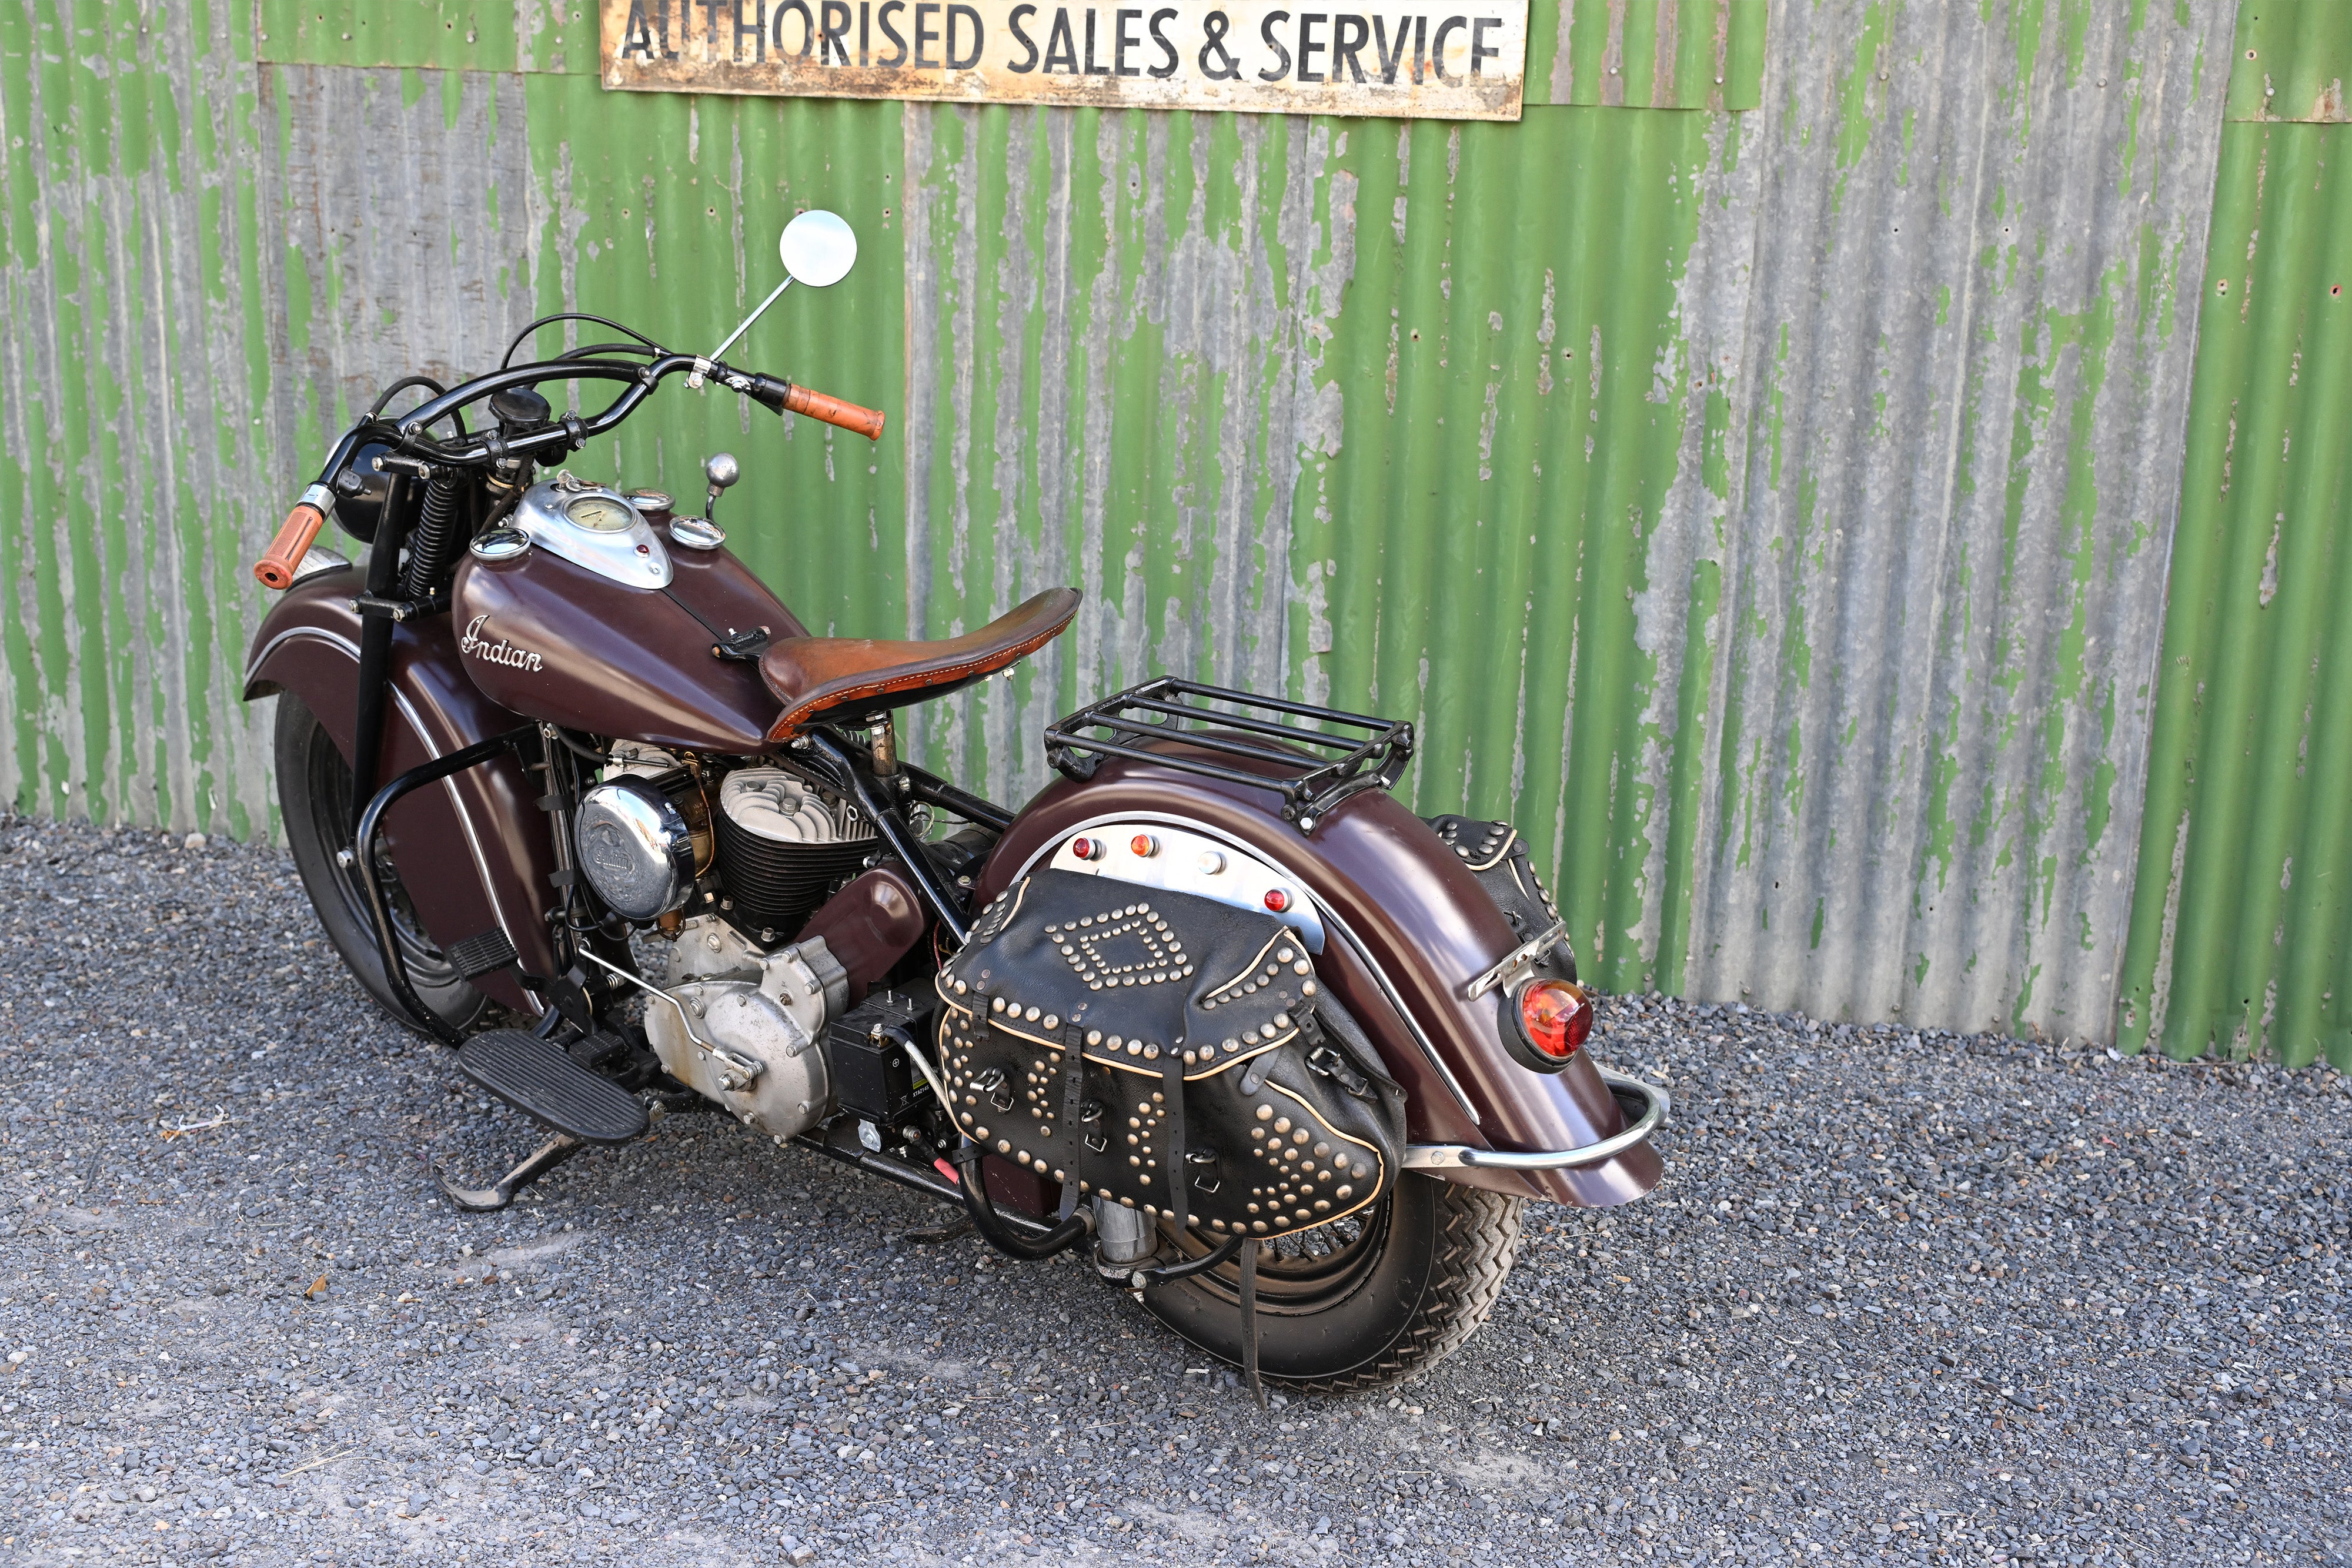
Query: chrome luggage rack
x=1330, y=767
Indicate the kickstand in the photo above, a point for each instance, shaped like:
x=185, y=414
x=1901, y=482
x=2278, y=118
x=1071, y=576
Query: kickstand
x=535, y=1165
x=1249, y=1322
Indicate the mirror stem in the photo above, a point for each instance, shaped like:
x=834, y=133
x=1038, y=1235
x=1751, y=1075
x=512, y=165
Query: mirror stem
x=754, y=316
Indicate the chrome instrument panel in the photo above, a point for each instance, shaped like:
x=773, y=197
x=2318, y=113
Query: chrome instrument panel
x=594, y=527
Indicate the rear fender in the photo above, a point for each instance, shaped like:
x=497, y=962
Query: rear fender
x=472, y=852
x=1407, y=928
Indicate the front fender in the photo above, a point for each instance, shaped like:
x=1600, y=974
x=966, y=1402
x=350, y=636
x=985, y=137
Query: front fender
x=474, y=852
x=1415, y=927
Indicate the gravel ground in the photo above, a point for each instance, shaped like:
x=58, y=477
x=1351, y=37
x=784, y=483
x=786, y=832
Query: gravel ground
x=1913, y=1297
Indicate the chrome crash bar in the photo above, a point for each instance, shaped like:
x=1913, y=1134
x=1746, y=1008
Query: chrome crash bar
x=1654, y=1111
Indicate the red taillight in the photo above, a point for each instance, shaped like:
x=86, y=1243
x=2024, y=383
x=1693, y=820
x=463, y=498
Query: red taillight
x=1086, y=849
x=1556, y=1016
x=1276, y=900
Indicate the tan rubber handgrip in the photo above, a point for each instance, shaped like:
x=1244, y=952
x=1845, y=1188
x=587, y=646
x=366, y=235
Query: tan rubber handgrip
x=277, y=565
x=866, y=422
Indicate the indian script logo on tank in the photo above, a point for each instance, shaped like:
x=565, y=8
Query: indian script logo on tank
x=475, y=645
x=1452, y=59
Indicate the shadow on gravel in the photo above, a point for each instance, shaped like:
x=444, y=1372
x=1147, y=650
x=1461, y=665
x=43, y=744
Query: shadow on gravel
x=1910, y=1296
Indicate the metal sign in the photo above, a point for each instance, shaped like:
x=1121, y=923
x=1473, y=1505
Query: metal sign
x=1456, y=59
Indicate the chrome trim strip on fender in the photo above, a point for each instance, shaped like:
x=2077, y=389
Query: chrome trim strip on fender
x=1355, y=946
x=1444, y=1157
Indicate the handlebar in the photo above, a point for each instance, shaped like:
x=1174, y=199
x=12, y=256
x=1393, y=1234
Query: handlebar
x=865, y=421
x=276, y=566
x=277, y=563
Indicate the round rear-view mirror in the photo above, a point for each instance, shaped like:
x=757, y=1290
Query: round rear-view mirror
x=818, y=249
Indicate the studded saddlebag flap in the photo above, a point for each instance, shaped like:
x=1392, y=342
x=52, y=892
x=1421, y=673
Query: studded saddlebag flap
x=1163, y=1050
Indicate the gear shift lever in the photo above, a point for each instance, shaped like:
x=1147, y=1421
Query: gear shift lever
x=722, y=472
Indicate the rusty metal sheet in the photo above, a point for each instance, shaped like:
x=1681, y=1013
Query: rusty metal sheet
x=1256, y=56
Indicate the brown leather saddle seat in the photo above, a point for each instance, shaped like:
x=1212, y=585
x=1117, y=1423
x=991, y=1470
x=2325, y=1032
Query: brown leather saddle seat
x=849, y=679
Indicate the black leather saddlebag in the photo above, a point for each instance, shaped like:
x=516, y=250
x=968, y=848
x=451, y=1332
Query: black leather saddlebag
x=1163, y=1050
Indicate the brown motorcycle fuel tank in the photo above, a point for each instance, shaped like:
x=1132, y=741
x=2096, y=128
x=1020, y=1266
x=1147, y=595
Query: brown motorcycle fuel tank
x=553, y=640
x=1419, y=928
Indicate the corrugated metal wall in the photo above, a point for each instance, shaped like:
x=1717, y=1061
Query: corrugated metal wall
x=1759, y=488
x=2241, y=939
x=1955, y=459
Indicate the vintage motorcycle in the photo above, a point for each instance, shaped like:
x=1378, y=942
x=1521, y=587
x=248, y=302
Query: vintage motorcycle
x=573, y=793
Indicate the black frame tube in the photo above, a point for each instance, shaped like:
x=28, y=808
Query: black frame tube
x=370, y=709
x=935, y=790
x=850, y=770
x=387, y=940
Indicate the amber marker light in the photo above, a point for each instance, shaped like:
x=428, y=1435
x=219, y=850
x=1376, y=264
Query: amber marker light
x=1144, y=845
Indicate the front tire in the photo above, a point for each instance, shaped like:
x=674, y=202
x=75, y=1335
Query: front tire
x=314, y=797
x=1359, y=1303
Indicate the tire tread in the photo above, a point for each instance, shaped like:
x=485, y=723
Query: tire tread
x=1477, y=1240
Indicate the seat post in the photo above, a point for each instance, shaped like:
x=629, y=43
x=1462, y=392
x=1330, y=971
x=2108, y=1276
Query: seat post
x=884, y=738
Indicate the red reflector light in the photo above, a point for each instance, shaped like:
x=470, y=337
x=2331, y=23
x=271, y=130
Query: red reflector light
x=1276, y=900
x=1556, y=1016
x=1086, y=849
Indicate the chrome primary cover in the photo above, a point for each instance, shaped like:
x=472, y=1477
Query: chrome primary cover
x=593, y=526
x=634, y=849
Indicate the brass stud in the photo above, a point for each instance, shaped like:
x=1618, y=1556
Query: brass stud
x=1003, y=1146
x=1322, y=1151
x=1307, y=989
x=1265, y=1111
x=1282, y=1125
x=1345, y=1192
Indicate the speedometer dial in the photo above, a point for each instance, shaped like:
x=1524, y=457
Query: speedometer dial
x=599, y=513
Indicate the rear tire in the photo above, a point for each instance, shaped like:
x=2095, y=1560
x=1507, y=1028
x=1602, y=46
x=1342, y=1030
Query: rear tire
x=314, y=796
x=1360, y=1305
